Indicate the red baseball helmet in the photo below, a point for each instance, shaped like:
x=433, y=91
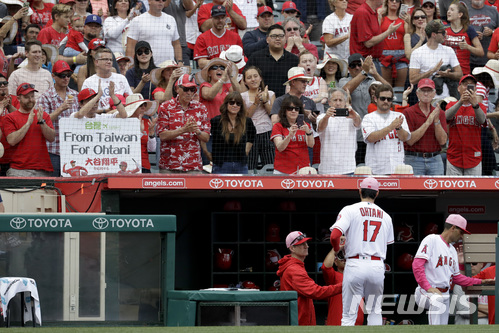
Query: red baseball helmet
x=404, y=233
x=404, y=261
x=250, y=285
x=272, y=259
x=431, y=228
x=223, y=258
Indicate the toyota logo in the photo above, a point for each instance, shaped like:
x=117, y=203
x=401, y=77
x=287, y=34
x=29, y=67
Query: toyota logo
x=497, y=183
x=288, y=184
x=100, y=223
x=430, y=184
x=18, y=223
x=216, y=183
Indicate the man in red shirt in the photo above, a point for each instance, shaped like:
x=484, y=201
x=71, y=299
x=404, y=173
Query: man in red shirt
x=428, y=132
x=489, y=273
x=236, y=19
x=182, y=123
x=366, y=36
x=27, y=131
x=218, y=38
x=294, y=276
x=56, y=32
x=465, y=118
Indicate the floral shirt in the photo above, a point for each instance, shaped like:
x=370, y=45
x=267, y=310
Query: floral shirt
x=182, y=153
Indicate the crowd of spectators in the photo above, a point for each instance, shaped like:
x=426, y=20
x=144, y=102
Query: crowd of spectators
x=222, y=87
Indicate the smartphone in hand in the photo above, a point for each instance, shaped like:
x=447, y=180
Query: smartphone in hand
x=300, y=121
x=341, y=112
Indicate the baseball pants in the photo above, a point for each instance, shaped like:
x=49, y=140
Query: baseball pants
x=437, y=305
x=363, y=278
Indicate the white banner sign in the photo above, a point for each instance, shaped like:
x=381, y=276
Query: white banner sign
x=96, y=146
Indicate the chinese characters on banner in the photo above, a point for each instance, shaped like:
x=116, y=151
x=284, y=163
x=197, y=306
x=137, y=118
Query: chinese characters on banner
x=97, y=146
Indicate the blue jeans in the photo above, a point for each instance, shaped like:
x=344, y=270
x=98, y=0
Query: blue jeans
x=426, y=166
x=231, y=168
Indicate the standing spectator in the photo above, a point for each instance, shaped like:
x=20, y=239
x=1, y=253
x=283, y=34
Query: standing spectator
x=56, y=32
x=211, y=43
x=294, y=276
x=331, y=277
x=429, y=60
x=32, y=72
x=443, y=6
x=338, y=136
x=291, y=139
x=8, y=104
x=366, y=36
x=233, y=135
x=415, y=36
x=191, y=27
x=121, y=16
x=59, y=102
x=88, y=69
x=27, y=131
x=182, y=123
x=256, y=39
x=336, y=30
x=250, y=10
x=235, y=19
x=80, y=9
x=428, y=6
x=434, y=277
x=88, y=101
x=294, y=38
x=274, y=61
x=41, y=12
x=384, y=132
x=362, y=75
x=165, y=42
x=332, y=69
x=465, y=118
x=428, y=133
x=259, y=100
x=139, y=76
x=394, y=63
x=485, y=20
x=462, y=37
x=178, y=9
x=32, y=32
x=103, y=76
x=366, y=242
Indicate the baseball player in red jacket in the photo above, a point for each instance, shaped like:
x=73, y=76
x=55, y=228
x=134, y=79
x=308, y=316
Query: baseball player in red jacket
x=294, y=277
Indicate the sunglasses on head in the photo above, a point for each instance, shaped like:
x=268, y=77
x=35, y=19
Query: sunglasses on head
x=27, y=86
x=63, y=76
x=4, y=83
x=214, y=68
x=187, y=89
x=292, y=29
x=235, y=103
x=384, y=99
x=355, y=64
x=143, y=51
x=297, y=239
x=293, y=108
x=97, y=43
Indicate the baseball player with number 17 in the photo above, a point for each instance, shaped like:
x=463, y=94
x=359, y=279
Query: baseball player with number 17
x=435, y=267
x=368, y=230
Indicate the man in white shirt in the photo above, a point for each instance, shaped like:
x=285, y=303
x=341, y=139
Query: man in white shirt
x=384, y=132
x=158, y=29
x=32, y=72
x=103, y=64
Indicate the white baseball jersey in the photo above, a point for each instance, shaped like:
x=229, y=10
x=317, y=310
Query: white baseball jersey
x=383, y=155
x=441, y=261
x=337, y=28
x=368, y=229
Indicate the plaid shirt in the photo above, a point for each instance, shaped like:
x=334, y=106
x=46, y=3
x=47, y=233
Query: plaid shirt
x=50, y=101
x=182, y=153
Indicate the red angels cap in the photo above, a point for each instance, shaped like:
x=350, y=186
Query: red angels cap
x=288, y=6
x=370, y=183
x=264, y=9
x=296, y=238
x=185, y=82
x=61, y=66
x=458, y=221
x=25, y=88
x=468, y=76
x=95, y=43
x=426, y=83
x=86, y=94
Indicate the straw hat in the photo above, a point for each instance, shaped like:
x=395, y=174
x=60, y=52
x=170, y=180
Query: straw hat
x=202, y=76
x=334, y=58
x=157, y=72
x=492, y=68
x=296, y=73
x=51, y=51
x=134, y=101
x=18, y=3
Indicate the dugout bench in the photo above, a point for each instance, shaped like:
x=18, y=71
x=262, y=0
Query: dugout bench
x=480, y=248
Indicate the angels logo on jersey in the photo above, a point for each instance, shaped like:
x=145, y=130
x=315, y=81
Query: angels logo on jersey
x=444, y=260
x=339, y=217
x=424, y=249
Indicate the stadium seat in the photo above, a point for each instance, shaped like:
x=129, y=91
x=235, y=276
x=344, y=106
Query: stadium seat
x=307, y=171
x=363, y=170
x=403, y=169
x=267, y=169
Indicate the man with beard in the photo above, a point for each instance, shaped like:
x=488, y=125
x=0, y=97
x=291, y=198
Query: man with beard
x=27, y=131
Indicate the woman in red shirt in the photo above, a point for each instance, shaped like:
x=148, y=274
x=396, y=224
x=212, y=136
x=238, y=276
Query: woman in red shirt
x=461, y=36
x=394, y=63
